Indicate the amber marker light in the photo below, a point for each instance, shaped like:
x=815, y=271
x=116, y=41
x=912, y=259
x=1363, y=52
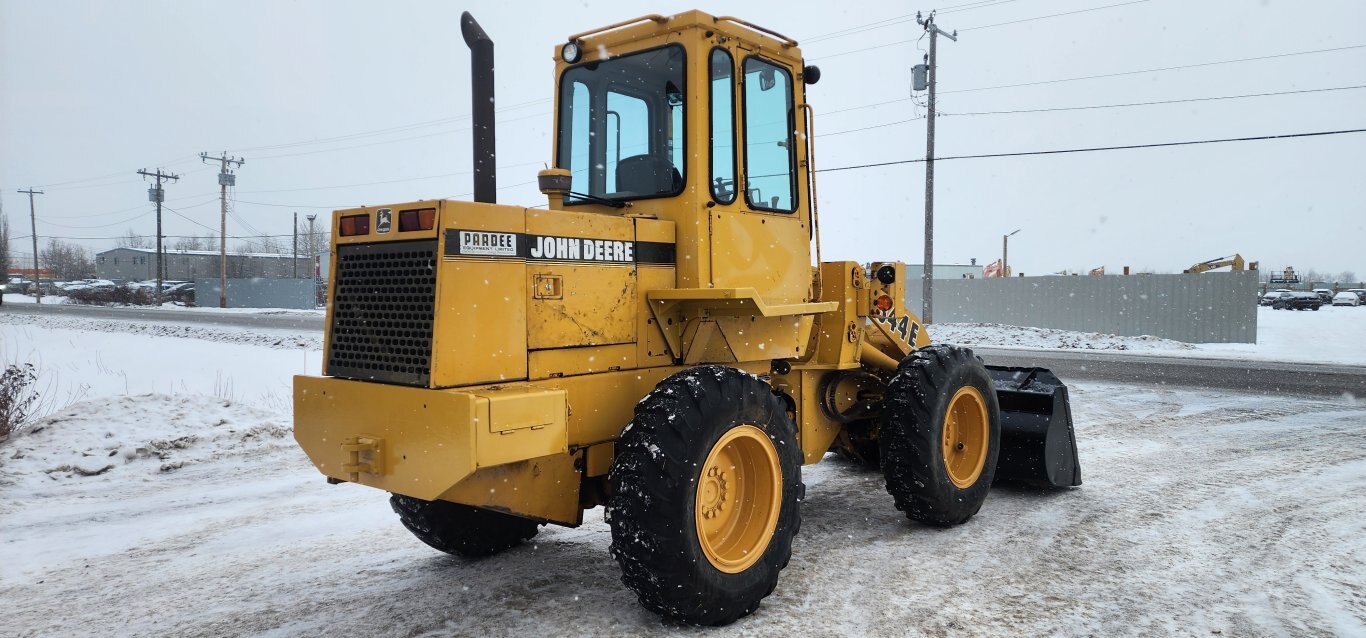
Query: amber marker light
x=416, y=219
x=355, y=225
x=884, y=303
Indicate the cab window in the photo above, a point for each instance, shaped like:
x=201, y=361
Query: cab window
x=770, y=158
x=722, y=126
x=621, y=126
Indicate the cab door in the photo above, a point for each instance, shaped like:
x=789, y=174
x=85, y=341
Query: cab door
x=759, y=233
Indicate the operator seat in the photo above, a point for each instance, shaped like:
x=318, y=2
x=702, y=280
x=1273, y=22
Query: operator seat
x=647, y=175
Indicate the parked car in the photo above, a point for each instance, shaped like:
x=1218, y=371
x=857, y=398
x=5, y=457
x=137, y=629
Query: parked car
x=182, y=292
x=1360, y=292
x=1325, y=295
x=20, y=285
x=1270, y=298
x=1346, y=298
x=1298, y=301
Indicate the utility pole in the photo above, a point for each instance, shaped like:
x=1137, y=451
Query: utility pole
x=33, y=230
x=226, y=178
x=158, y=195
x=312, y=253
x=296, y=244
x=312, y=258
x=1005, y=252
x=928, y=277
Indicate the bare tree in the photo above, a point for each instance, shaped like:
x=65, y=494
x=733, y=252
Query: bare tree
x=133, y=240
x=264, y=244
x=67, y=261
x=1347, y=277
x=189, y=243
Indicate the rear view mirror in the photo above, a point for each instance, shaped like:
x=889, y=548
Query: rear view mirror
x=766, y=79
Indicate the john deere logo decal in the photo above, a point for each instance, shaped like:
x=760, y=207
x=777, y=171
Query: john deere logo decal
x=384, y=221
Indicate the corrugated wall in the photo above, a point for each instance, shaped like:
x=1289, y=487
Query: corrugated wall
x=1203, y=308
x=258, y=293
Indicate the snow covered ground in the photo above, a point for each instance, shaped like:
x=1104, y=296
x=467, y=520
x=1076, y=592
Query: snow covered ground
x=1202, y=514
x=54, y=299
x=1329, y=335
x=171, y=500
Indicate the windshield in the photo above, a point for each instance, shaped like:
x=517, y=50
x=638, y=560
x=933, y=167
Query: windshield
x=621, y=126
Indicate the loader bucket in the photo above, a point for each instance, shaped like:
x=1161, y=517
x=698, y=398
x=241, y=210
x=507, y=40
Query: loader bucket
x=1037, y=443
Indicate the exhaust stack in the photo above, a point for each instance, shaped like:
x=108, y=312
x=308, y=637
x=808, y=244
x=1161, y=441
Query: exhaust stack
x=481, y=93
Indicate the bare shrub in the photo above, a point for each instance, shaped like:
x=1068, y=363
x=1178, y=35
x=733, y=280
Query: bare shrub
x=117, y=296
x=18, y=396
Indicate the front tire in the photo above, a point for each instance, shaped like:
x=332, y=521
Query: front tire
x=461, y=530
x=941, y=435
x=706, y=490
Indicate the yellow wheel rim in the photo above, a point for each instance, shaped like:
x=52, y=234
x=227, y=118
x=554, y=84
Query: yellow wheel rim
x=967, y=435
x=739, y=494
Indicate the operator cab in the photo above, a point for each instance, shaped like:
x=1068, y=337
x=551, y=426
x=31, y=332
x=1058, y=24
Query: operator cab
x=624, y=124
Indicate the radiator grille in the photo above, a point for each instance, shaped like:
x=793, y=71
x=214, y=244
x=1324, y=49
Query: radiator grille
x=385, y=294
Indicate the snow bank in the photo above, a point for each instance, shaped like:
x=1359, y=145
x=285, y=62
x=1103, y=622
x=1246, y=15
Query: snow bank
x=270, y=338
x=132, y=438
x=83, y=361
x=1329, y=335
x=997, y=335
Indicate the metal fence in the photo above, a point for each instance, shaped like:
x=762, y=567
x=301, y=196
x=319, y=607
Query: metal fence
x=259, y=293
x=1203, y=308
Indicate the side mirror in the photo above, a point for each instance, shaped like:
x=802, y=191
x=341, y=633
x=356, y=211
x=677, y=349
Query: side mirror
x=766, y=80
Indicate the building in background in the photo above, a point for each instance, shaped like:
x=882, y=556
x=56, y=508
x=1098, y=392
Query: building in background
x=139, y=264
x=945, y=271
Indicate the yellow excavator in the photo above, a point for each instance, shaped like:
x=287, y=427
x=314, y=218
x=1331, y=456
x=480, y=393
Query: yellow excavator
x=1235, y=263
x=661, y=339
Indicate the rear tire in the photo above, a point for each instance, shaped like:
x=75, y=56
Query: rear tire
x=461, y=530
x=706, y=489
x=940, y=435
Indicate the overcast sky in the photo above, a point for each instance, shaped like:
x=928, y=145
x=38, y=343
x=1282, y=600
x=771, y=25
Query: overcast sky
x=335, y=104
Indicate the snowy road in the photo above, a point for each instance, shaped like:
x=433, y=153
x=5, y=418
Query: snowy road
x=1275, y=377
x=1202, y=513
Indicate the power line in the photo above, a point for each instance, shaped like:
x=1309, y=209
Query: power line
x=393, y=129
x=1107, y=75
x=389, y=181
x=382, y=142
x=1158, y=102
x=1055, y=15
x=1098, y=148
x=189, y=219
x=72, y=238
x=1102, y=106
x=898, y=162
x=902, y=19
x=106, y=176
x=117, y=223
x=986, y=26
x=130, y=208
x=1167, y=68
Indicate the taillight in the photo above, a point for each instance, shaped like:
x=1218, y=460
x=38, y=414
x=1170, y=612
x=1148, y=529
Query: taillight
x=416, y=219
x=355, y=225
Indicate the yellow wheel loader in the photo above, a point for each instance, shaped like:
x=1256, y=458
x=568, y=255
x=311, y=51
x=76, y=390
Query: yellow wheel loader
x=656, y=340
